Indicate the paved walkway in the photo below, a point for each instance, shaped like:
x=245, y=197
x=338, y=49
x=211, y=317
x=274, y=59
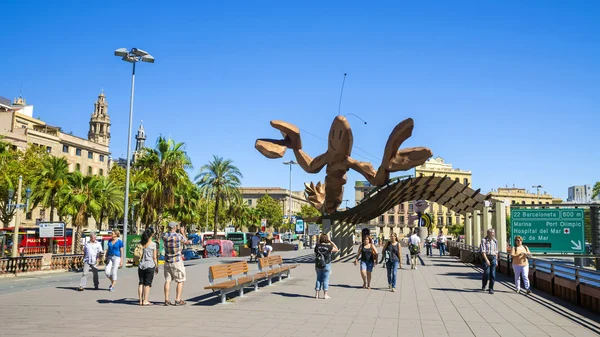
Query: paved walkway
x=442, y=298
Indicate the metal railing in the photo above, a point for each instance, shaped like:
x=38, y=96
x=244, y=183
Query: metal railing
x=577, y=285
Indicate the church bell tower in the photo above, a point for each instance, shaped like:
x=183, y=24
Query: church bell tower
x=100, y=122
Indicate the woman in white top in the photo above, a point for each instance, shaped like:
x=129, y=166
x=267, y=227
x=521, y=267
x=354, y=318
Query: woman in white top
x=268, y=248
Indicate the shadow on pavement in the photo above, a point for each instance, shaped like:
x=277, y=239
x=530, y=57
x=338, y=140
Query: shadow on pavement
x=463, y=290
x=127, y=301
x=345, y=286
x=292, y=295
x=71, y=288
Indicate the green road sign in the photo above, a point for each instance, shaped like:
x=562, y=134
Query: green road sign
x=549, y=230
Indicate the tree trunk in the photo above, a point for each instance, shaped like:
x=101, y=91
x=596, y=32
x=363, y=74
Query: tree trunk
x=78, y=239
x=216, y=217
x=101, y=220
x=52, y=209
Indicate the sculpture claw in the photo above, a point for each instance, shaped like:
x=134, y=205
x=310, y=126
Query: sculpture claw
x=406, y=159
x=290, y=133
x=271, y=148
x=315, y=194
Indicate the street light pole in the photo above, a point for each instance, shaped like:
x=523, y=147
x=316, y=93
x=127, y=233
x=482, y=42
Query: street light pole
x=133, y=56
x=290, y=163
x=538, y=192
x=18, y=206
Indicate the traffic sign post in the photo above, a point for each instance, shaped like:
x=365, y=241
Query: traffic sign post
x=549, y=230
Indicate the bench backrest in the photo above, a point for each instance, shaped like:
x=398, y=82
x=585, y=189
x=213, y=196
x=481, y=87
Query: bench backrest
x=268, y=262
x=228, y=270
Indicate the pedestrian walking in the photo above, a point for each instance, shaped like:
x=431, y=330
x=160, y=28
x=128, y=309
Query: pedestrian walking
x=254, y=242
x=174, y=268
x=520, y=265
x=489, y=252
x=441, y=241
x=429, y=245
x=394, y=262
x=92, y=252
x=323, y=251
x=148, y=266
x=414, y=248
x=367, y=253
x=114, y=258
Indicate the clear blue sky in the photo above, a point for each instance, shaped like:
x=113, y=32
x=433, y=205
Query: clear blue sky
x=507, y=89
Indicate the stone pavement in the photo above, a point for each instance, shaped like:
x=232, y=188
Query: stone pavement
x=441, y=298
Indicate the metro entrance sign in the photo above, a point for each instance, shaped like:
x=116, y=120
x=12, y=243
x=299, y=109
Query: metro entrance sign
x=549, y=230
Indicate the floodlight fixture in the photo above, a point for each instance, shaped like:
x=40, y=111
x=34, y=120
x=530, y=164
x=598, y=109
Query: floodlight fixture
x=138, y=52
x=121, y=52
x=148, y=58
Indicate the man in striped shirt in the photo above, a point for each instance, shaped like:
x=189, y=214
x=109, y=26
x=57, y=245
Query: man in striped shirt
x=489, y=252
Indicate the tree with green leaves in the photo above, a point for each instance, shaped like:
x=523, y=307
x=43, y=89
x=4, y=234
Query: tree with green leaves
x=308, y=211
x=219, y=180
x=110, y=200
x=52, y=179
x=163, y=169
x=82, y=200
x=270, y=209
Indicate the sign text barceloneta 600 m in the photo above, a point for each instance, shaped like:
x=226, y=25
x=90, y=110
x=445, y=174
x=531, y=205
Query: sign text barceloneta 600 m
x=549, y=230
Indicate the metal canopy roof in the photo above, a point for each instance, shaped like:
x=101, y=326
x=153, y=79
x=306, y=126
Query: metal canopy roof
x=442, y=190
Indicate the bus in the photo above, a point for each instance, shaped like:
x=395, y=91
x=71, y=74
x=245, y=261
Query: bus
x=239, y=239
x=30, y=243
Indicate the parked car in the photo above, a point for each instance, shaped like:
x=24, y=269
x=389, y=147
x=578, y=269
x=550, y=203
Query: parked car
x=190, y=254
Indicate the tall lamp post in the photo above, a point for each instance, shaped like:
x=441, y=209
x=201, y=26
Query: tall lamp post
x=538, y=192
x=18, y=206
x=132, y=56
x=290, y=163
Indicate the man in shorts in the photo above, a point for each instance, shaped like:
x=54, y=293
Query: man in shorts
x=254, y=247
x=174, y=269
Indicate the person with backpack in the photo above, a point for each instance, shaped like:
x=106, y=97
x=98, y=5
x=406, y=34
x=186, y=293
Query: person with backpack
x=323, y=251
x=367, y=253
x=520, y=265
x=414, y=247
x=393, y=252
x=148, y=266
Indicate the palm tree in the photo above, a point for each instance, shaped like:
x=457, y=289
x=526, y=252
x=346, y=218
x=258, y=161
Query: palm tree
x=219, y=180
x=81, y=201
x=187, y=204
x=110, y=201
x=238, y=211
x=163, y=168
x=51, y=180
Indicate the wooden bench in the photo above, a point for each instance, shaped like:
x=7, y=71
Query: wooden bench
x=237, y=278
x=273, y=267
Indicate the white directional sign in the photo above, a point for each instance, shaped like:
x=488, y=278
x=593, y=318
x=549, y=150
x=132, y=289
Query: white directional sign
x=313, y=229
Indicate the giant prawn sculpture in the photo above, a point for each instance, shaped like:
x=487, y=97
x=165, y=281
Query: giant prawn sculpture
x=337, y=158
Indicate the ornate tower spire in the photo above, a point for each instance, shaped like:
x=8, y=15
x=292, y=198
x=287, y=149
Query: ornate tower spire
x=140, y=138
x=100, y=122
x=140, y=142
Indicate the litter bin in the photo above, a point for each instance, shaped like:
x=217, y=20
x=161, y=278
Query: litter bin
x=300, y=245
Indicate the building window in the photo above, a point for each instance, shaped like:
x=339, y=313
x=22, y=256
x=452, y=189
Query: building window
x=89, y=170
x=440, y=221
x=78, y=167
x=78, y=152
x=449, y=221
x=457, y=180
x=249, y=202
x=402, y=219
x=401, y=208
x=102, y=158
x=457, y=220
x=523, y=202
x=65, y=148
x=28, y=216
x=391, y=219
x=466, y=181
x=381, y=219
x=48, y=149
x=513, y=202
x=533, y=202
x=90, y=155
x=101, y=172
x=410, y=208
